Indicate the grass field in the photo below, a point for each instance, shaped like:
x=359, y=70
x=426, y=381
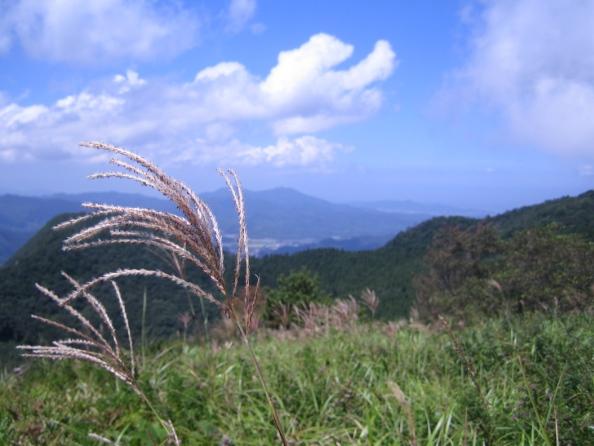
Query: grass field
x=512, y=382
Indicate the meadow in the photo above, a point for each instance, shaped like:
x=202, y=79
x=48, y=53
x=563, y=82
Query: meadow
x=519, y=381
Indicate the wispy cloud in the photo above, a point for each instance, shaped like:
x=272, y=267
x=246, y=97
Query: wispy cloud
x=531, y=61
x=239, y=14
x=302, y=151
x=96, y=31
x=301, y=95
x=586, y=170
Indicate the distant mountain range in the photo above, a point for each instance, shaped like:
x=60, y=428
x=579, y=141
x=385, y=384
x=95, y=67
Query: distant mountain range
x=280, y=220
x=414, y=208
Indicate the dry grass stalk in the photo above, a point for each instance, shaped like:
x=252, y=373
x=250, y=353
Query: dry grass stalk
x=102, y=439
x=406, y=406
x=89, y=345
x=282, y=313
x=393, y=327
x=192, y=238
x=315, y=318
x=370, y=300
x=185, y=319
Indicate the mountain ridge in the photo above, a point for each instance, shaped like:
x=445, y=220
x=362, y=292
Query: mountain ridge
x=279, y=217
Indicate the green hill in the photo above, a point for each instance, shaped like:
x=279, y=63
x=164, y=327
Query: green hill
x=573, y=214
x=388, y=270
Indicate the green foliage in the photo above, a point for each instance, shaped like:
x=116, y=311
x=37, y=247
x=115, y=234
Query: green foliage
x=389, y=270
x=536, y=372
x=475, y=273
x=547, y=270
x=572, y=214
x=41, y=260
x=298, y=288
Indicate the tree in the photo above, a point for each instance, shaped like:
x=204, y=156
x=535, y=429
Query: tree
x=474, y=273
x=547, y=270
x=298, y=288
x=458, y=264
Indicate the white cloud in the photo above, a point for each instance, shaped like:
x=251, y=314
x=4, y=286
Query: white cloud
x=8, y=155
x=87, y=103
x=172, y=119
x=303, y=151
x=96, y=31
x=313, y=62
x=586, y=170
x=14, y=115
x=239, y=14
x=221, y=71
x=128, y=81
x=532, y=61
x=314, y=96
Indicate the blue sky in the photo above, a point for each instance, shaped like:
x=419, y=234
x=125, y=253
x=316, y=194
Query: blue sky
x=485, y=104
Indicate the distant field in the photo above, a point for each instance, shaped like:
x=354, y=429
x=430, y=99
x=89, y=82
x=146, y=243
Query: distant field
x=534, y=374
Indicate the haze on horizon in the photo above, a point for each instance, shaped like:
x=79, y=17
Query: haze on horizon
x=475, y=104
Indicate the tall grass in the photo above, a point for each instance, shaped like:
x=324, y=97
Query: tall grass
x=192, y=238
x=333, y=387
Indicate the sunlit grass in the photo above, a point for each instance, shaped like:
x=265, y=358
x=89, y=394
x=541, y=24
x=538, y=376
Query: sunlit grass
x=331, y=389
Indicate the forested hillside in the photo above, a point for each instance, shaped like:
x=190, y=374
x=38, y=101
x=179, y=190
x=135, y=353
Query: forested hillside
x=389, y=270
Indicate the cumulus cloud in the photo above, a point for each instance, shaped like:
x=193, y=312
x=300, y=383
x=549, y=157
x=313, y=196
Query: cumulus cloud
x=532, y=61
x=96, y=31
x=239, y=14
x=302, y=151
x=301, y=95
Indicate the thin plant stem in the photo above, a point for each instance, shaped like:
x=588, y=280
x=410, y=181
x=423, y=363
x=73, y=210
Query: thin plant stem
x=181, y=272
x=541, y=424
x=260, y=374
x=167, y=426
x=143, y=328
x=485, y=421
x=191, y=305
x=204, y=320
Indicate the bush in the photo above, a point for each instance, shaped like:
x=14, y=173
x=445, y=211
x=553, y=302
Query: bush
x=299, y=288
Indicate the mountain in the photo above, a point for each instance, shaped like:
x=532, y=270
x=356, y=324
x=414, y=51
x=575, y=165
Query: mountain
x=415, y=208
x=276, y=218
x=29, y=213
x=388, y=270
x=286, y=214
x=574, y=214
x=21, y=217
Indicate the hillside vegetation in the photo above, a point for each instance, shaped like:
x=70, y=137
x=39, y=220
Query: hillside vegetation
x=390, y=270
x=377, y=384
